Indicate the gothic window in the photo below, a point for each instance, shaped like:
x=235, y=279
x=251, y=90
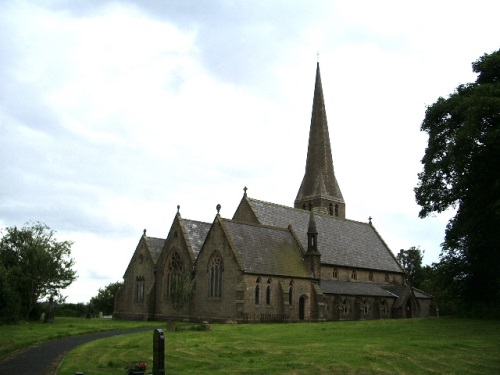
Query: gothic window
x=370, y=276
x=303, y=206
x=257, y=291
x=216, y=272
x=354, y=275
x=383, y=308
x=336, y=210
x=174, y=272
x=330, y=209
x=386, y=277
x=139, y=288
x=366, y=307
x=345, y=307
x=335, y=273
x=290, y=293
x=268, y=292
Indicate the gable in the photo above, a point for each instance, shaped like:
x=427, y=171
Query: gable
x=341, y=242
x=266, y=250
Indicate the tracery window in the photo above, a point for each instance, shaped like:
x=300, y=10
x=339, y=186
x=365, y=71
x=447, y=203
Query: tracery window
x=174, y=272
x=216, y=272
x=139, y=289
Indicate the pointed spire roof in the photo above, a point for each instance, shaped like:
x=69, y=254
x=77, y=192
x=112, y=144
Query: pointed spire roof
x=319, y=182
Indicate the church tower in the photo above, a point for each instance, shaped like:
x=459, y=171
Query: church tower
x=319, y=189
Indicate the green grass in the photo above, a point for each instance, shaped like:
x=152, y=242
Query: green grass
x=416, y=346
x=14, y=337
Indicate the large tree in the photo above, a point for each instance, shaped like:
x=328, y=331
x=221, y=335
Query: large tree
x=411, y=260
x=105, y=299
x=461, y=170
x=34, y=265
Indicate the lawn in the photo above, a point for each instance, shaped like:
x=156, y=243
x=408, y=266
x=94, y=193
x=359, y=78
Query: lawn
x=14, y=337
x=416, y=346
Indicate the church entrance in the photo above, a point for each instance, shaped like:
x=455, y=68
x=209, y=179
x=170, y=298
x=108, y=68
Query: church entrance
x=302, y=308
x=408, y=308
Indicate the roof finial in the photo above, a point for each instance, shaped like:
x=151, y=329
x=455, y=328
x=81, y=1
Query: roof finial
x=178, y=208
x=144, y=231
x=245, y=191
x=218, y=209
x=370, y=220
x=317, y=57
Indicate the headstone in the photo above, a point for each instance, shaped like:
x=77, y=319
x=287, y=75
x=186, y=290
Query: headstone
x=49, y=317
x=100, y=314
x=158, y=352
x=42, y=317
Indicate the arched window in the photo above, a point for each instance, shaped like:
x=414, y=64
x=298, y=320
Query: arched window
x=303, y=206
x=139, y=289
x=345, y=307
x=268, y=292
x=336, y=210
x=366, y=307
x=257, y=291
x=354, y=275
x=370, y=276
x=290, y=293
x=174, y=272
x=383, y=308
x=216, y=271
x=335, y=274
x=330, y=209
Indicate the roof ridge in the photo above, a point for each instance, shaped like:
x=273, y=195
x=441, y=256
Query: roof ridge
x=301, y=209
x=256, y=224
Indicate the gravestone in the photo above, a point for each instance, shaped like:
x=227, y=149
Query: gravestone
x=158, y=352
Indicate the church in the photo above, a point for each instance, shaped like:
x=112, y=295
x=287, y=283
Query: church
x=273, y=263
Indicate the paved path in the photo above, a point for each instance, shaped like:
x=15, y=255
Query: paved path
x=43, y=359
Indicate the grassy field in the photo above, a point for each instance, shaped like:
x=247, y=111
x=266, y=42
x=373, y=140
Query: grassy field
x=416, y=346
x=14, y=337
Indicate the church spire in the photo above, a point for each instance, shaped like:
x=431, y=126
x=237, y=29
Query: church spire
x=319, y=188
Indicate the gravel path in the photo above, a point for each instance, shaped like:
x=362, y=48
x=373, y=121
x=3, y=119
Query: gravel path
x=44, y=359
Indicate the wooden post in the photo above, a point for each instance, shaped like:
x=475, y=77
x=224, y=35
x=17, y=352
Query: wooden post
x=158, y=352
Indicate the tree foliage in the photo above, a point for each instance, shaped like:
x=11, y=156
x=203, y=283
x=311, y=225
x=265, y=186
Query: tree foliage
x=181, y=290
x=33, y=265
x=461, y=168
x=105, y=299
x=411, y=260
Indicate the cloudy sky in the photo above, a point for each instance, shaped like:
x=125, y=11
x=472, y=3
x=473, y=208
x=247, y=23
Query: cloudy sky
x=112, y=113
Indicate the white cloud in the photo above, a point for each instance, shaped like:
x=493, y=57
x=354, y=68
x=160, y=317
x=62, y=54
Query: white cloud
x=113, y=113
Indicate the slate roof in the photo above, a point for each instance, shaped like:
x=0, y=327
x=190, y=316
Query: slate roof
x=155, y=245
x=197, y=233
x=341, y=242
x=354, y=289
x=266, y=250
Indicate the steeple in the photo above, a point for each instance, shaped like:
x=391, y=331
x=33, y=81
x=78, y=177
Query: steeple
x=319, y=188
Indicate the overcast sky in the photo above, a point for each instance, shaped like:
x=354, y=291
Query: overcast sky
x=112, y=113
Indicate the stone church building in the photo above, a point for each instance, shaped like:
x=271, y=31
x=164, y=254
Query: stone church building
x=272, y=262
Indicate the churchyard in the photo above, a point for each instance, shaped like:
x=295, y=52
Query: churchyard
x=434, y=345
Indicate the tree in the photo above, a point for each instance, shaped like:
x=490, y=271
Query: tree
x=181, y=290
x=105, y=299
x=411, y=260
x=461, y=168
x=35, y=265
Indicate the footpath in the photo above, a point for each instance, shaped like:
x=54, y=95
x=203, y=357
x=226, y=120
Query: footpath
x=44, y=359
